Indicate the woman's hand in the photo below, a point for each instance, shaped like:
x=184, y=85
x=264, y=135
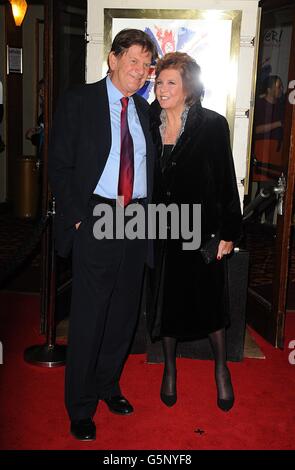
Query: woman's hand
x=224, y=248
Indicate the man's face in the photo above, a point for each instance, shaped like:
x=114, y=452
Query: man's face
x=276, y=90
x=129, y=71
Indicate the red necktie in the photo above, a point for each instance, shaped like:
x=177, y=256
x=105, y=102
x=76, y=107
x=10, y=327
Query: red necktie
x=126, y=174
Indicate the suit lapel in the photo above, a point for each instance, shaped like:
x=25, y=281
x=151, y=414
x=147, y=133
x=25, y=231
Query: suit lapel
x=100, y=125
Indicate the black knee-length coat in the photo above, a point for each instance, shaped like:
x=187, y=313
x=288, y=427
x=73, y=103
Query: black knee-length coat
x=188, y=296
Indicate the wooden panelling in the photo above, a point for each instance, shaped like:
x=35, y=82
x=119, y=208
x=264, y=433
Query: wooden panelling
x=14, y=107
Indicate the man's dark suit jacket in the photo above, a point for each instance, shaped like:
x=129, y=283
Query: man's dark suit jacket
x=79, y=148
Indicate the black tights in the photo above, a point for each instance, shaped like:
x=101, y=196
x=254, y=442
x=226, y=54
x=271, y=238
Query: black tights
x=222, y=374
x=169, y=377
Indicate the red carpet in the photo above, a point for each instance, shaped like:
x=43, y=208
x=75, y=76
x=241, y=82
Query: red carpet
x=35, y=418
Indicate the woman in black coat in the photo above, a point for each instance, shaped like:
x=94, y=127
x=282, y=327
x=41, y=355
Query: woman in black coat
x=194, y=166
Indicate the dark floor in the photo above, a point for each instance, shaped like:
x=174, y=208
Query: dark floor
x=19, y=261
x=21, y=255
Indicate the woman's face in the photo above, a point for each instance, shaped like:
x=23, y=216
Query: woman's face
x=169, y=90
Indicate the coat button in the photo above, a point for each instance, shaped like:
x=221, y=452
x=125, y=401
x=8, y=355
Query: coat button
x=168, y=193
x=173, y=164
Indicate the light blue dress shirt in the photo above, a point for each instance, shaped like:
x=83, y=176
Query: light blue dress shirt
x=107, y=185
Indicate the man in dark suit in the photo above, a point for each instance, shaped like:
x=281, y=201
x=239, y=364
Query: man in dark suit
x=101, y=138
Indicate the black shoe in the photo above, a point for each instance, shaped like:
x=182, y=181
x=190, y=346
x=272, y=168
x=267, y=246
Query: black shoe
x=168, y=385
x=223, y=379
x=83, y=429
x=225, y=405
x=119, y=405
x=168, y=400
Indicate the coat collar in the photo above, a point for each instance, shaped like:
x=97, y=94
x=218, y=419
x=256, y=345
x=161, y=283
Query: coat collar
x=192, y=129
x=195, y=117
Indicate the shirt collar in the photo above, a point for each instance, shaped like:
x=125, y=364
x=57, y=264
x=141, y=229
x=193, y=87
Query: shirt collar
x=114, y=94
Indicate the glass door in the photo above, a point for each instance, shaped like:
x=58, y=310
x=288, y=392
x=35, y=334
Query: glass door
x=268, y=206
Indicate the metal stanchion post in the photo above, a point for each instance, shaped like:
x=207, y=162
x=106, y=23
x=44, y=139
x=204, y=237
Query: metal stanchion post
x=49, y=354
